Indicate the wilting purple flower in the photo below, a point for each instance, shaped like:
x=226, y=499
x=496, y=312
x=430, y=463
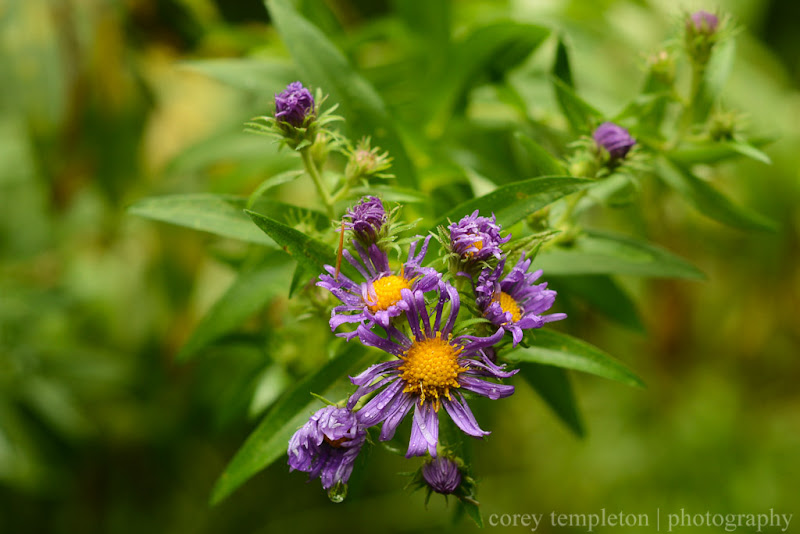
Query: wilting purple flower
x=477, y=238
x=378, y=298
x=615, y=139
x=294, y=104
x=430, y=369
x=515, y=303
x=327, y=445
x=366, y=219
x=704, y=22
x=442, y=475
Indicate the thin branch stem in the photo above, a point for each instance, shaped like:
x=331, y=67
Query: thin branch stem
x=322, y=191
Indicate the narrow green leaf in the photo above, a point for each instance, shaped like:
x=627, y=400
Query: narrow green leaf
x=489, y=50
x=603, y=294
x=561, y=350
x=516, y=201
x=553, y=386
x=715, y=151
x=217, y=214
x=323, y=65
x=544, y=164
x=309, y=253
x=251, y=289
x=605, y=253
x=749, y=151
x=580, y=115
x=262, y=76
x=269, y=440
x=711, y=202
x=561, y=64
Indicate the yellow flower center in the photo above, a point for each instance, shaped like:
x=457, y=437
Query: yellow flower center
x=508, y=304
x=431, y=368
x=387, y=292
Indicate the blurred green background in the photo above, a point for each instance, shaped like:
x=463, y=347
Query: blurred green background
x=102, y=431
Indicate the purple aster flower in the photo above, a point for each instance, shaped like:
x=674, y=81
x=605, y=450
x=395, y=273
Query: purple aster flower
x=442, y=475
x=294, y=104
x=615, y=139
x=378, y=298
x=327, y=446
x=477, y=238
x=431, y=369
x=366, y=219
x=515, y=303
x=703, y=22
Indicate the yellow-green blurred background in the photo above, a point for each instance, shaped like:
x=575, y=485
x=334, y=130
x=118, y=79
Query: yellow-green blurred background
x=102, y=431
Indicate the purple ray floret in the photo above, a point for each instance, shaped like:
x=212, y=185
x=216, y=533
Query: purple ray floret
x=442, y=475
x=516, y=302
x=614, y=138
x=431, y=369
x=366, y=219
x=326, y=446
x=378, y=298
x=477, y=238
x=294, y=104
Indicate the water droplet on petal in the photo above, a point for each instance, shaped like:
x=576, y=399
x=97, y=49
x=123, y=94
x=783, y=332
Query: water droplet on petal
x=338, y=492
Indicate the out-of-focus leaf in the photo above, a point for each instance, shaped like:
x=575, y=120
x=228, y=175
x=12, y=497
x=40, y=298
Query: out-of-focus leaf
x=714, y=151
x=323, y=65
x=495, y=48
x=561, y=64
x=263, y=76
x=392, y=194
x=16, y=160
x=251, y=289
x=311, y=254
x=513, y=202
x=429, y=19
x=221, y=215
x=543, y=162
x=603, y=294
x=561, y=350
x=268, y=441
x=605, y=253
x=553, y=385
x=716, y=75
x=749, y=151
x=711, y=202
x=580, y=115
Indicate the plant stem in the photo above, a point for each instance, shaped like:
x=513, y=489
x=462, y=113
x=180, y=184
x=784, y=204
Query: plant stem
x=322, y=191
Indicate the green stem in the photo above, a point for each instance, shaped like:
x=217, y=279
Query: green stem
x=322, y=191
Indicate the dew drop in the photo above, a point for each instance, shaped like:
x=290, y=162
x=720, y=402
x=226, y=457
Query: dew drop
x=338, y=492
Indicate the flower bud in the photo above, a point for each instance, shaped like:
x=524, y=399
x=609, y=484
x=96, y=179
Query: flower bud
x=614, y=139
x=702, y=22
x=367, y=219
x=294, y=105
x=442, y=475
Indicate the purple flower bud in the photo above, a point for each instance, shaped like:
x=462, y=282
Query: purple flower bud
x=294, y=104
x=477, y=238
x=327, y=446
x=366, y=219
x=442, y=475
x=704, y=22
x=615, y=139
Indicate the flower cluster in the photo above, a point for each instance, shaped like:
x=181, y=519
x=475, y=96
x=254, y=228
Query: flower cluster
x=411, y=313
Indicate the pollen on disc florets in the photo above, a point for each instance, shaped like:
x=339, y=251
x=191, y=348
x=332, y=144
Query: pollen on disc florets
x=431, y=368
x=509, y=305
x=388, y=292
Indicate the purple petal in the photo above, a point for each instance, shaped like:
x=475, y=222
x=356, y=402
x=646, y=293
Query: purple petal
x=462, y=416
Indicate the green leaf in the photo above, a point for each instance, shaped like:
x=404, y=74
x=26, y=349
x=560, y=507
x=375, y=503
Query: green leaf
x=711, y=202
x=217, y=214
x=561, y=350
x=561, y=64
x=493, y=49
x=516, y=201
x=544, y=164
x=748, y=150
x=260, y=76
x=603, y=294
x=716, y=151
x=553, y=386
x=311, y=254
x=324, y=66
x=606, y=253
x=580, y=115
x=268, y=441
x=251, y=289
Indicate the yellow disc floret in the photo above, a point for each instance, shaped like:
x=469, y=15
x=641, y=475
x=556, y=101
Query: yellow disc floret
x=431, y=368
x=508, y=304
x=387, y=292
